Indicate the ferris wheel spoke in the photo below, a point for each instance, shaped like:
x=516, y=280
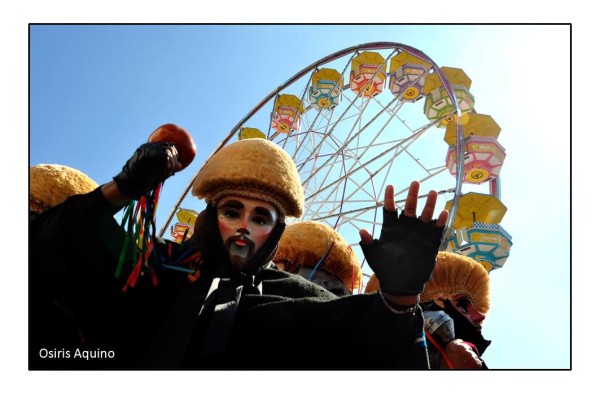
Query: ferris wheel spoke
x=372, y=207
x=363, y=165
x=368, y=147
x=373, y=197
x=344, y=199
x=316, y=148
x=344, y=178
x=351, y=139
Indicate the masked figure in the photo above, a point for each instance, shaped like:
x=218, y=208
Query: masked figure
x=455, y=302
x=239, y=311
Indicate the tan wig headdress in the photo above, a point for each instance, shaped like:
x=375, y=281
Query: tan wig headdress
x=255, y=168
x=458, y=275
x=306, y=242
x=51, y=184
x=372, y=284
x=454, y=275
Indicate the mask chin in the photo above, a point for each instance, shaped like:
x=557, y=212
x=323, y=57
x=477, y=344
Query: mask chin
x=240, y=256
x=266, y=253
x=240, y=252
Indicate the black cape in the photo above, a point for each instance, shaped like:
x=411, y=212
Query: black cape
x=282, y=321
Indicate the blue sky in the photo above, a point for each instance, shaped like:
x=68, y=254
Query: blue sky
x=97, y=91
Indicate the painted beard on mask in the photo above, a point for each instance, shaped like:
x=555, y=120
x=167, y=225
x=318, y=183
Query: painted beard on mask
x=241, y=250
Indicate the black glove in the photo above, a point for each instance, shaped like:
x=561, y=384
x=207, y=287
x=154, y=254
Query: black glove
x=144, y=170
x=404, y=256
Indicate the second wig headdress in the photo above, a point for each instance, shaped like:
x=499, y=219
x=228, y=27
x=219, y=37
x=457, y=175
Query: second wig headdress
x=305, y=243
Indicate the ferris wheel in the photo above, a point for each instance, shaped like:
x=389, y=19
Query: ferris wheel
x=377, y=114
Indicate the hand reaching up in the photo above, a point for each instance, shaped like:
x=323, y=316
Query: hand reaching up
x=403, y=258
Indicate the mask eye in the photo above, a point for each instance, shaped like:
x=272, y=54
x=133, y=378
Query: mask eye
x=229, y=212
x=463, y=304
x=260, y=221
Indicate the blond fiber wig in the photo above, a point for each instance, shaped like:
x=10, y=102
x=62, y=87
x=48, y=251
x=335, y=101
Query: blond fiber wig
x=454, y=275
x=457, y=275
x=305, y=243
x=51, y=184
x=255, y=168
x=372, y=284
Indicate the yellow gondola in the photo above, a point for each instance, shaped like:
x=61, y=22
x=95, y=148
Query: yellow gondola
x=438, y=103
x=407, y=76
x=286, y=113
x=327, y=86
x=368, y=74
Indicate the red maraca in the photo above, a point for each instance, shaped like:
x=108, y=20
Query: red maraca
x=186, y=148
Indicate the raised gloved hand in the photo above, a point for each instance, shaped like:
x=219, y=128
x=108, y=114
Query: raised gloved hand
x=403, y=258
x=151, y=164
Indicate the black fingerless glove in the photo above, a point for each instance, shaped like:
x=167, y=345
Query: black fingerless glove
x=404, y=256
x=144, y=170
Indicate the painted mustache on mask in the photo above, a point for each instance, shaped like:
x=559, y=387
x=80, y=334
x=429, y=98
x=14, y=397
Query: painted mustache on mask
x=240, y=249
